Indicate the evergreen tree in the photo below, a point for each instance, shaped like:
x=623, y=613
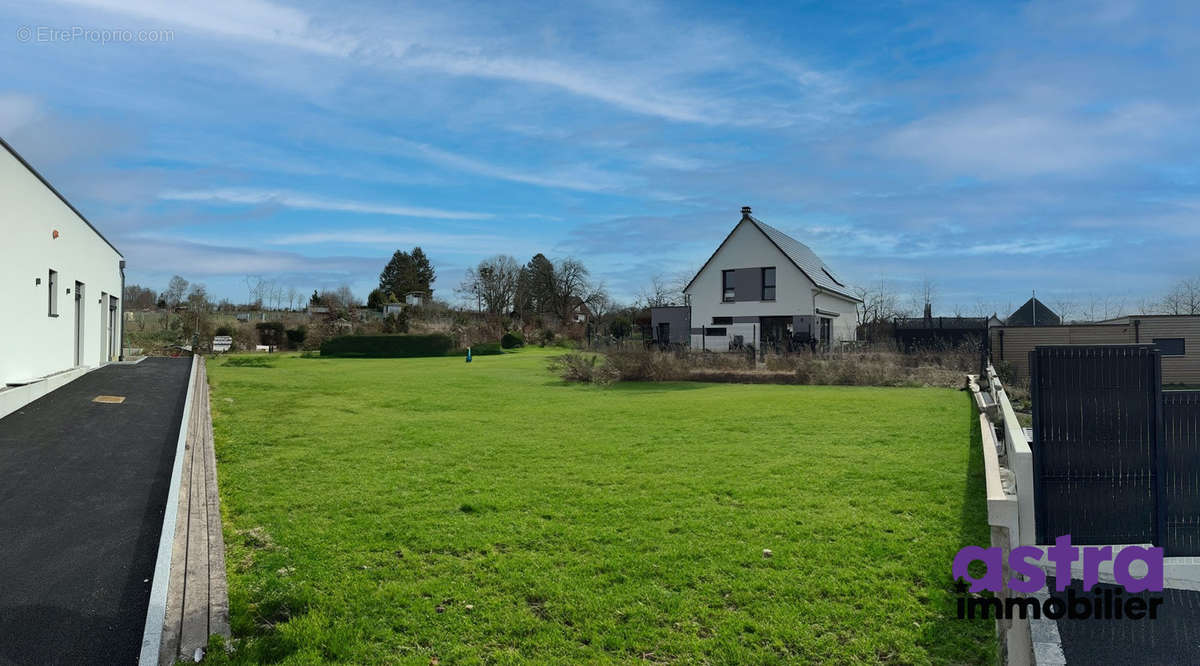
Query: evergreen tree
x=407, y=272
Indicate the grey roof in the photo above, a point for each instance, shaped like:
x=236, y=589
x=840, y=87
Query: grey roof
x=1033, y=313
x=805, y=259
x=798, y=253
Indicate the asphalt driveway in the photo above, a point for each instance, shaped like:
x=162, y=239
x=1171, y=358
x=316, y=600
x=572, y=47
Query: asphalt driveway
x=83, y=487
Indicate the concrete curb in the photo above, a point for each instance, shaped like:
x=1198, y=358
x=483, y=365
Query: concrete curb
x=13, y=398
x=156, y=611
x=1047, y=643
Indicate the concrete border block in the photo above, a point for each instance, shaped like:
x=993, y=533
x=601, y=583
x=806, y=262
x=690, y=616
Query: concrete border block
x=156, y=611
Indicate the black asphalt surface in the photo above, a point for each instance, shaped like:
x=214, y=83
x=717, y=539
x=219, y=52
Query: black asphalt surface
x=1171, y=638
x=82, y=492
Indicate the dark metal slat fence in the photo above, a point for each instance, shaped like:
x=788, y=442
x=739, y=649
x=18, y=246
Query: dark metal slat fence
x=1096, y=443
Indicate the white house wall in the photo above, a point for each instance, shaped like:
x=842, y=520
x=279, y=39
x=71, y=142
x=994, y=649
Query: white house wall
x=845, y=325
x=32, y=343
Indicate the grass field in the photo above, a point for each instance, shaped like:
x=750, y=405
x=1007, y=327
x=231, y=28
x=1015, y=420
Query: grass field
x=402, y=510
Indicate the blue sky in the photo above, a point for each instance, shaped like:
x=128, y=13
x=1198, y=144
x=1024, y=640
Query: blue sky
x=993, y=148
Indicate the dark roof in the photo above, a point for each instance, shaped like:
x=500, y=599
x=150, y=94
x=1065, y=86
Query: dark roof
x=798, y=253
x=942, y=322
x=58, y=194
x=1025, y=315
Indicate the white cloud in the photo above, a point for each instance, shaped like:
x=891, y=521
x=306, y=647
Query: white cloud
x=656, y=84
x=16, y=111
x=1021, y=138
x=256, y=197
x=574, y=178
x=253, y=20
x=160, y=255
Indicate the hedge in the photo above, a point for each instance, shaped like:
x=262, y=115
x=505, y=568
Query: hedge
x=512, y=339
x=401, y=346
x=388, y=346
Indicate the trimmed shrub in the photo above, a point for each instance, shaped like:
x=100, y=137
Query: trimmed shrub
x=224, y=330
x=270, y=332
x=512, y=339
x=295, y=336
x=388, y=346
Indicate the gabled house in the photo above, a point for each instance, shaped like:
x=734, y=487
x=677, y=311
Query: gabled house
x=580, y=312
x=764, y=288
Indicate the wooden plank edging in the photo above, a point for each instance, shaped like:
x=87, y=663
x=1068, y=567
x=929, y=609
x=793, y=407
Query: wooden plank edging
x=196, y=597
x=156, y=610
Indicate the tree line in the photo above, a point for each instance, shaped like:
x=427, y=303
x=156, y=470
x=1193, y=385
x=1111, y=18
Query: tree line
x=539, y=289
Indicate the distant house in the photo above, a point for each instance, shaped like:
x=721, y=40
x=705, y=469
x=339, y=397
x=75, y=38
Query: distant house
x=1033, y=313
x=416, y=298
x=580, y=312
x=764, y=288
x=393, y=308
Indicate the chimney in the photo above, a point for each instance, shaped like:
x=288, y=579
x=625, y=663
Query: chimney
x=745, y=211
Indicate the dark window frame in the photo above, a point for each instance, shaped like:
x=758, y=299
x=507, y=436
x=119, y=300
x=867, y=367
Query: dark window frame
x=52, y=291
x=710, y=332
x=728, y=294
x=722, y=321
x=1171, y=346
x=764, y=295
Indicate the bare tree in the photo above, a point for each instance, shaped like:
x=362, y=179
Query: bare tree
x=572, y=285
x=1183, y=298
x=198, y=309
x=1099, y=308
x=924, y=294
x=661, y=292
x=1065, y=308
x=879, y=303
x=176, y=289
x=493, y=284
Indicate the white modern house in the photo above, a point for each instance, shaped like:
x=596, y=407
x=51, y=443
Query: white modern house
x=763, y=288
x=63, y=279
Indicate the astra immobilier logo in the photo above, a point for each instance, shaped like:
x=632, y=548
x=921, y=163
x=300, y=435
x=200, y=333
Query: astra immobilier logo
x=1029, y=578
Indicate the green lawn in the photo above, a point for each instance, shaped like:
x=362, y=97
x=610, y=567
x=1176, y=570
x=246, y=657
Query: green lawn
x=398, y=510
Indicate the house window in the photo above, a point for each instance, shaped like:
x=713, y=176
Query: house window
x=52, y=283
x=717, y=332
x=727, y=286
x=722, y=321
x=1170, y=346
x=768, y=284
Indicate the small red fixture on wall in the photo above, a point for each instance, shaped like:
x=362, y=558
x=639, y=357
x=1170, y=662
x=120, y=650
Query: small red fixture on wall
x=54, y=234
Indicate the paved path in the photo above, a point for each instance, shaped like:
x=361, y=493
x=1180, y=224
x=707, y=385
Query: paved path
x=1172, y=638
x=82, y=491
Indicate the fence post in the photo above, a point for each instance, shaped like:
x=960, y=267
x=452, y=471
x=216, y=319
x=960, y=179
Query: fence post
x=1035, y=401
x=1160, y=453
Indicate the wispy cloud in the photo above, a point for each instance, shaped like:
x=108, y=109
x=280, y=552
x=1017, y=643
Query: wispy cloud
x=396, y=238
x=255, y=197
x=252, y=20
x=1024, y=137
x=16, y=111
x=660, y=91
x=581, y=178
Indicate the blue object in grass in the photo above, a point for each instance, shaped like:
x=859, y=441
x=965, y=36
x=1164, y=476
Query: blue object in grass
x=468, y=354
